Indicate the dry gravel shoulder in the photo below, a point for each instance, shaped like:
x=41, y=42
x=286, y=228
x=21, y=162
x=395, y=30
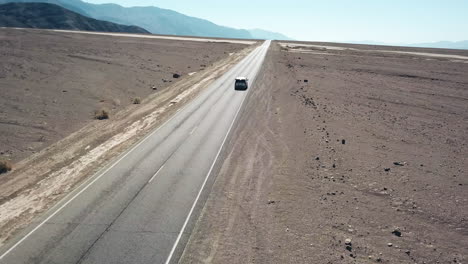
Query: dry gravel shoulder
x=366, y=146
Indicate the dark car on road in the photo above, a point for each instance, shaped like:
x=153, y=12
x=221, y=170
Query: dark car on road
x=242, y=83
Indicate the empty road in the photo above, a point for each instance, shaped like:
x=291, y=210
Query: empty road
x=141, y=208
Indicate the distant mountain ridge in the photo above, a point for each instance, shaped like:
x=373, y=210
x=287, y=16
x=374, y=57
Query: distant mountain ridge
x=51, y=16
x=264, y=34
x=155, y=20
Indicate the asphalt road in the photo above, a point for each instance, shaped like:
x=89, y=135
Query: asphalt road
x=140, y=208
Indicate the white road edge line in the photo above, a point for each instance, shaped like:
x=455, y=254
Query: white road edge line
x=87, y=186
x=203, y=185
x=156, y=173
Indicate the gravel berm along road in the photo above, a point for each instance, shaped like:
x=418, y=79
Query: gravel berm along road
x=141, y=208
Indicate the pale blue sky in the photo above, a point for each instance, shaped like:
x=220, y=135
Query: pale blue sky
x=392, y=21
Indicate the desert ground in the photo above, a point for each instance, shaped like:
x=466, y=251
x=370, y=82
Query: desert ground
x=342, y=153
x=356, y=154
x=52, y=82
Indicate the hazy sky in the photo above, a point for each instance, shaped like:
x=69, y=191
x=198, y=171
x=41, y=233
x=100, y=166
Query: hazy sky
x=392, y=21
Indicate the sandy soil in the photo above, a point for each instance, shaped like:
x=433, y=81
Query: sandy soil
x=365, y=146
x=85, y=145
x=51, y=83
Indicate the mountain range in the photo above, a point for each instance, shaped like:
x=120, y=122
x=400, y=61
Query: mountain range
x=43, y=15
x=157, y=20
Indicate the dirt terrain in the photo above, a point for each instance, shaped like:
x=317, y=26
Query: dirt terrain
x=344, y=156
x=52, y=82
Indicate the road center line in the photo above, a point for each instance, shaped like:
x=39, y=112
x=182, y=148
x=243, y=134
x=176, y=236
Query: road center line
x=156, y=173
x=193, y=130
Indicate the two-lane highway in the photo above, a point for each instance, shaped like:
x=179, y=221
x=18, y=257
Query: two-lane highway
x=137, y=210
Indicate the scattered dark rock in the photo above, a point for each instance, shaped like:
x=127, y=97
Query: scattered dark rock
x=317, y=158
x=397, y=163
x=271, y=202
x=396, y=232
x=343, y=141
x=306, y=81
x=309, y=101
x=176, y=75
x=387, y=169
